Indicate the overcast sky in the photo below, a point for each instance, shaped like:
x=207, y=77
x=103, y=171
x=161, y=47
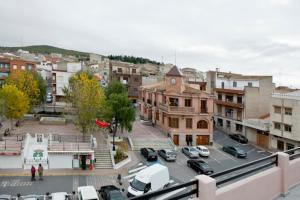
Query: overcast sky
x=250, y=37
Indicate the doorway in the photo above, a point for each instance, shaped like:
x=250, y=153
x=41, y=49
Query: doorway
x=202, y=140
x=280, y=145
x=176, y=139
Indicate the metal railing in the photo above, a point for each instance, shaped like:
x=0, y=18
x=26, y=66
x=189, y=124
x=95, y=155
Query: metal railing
x=272, y=160
x=193, y=191
x=293, y=153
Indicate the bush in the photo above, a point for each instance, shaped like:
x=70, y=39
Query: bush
x=119, y=156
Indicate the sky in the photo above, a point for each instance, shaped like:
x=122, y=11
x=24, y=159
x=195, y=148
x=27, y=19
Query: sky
x=254, y=37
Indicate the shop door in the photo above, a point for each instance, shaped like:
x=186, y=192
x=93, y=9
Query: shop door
x=176, y=139
x=280, y=145
x=262, y=140
x=202, y=139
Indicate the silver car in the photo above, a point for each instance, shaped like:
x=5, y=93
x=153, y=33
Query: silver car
x=167, y=154
x=190, y=152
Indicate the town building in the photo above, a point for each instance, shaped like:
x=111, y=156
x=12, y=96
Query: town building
x=192, y=75
x=242, y=104
x=285, y=118
x=182, y=111
x=61, y=73
x=8, y=66
x=128, y=74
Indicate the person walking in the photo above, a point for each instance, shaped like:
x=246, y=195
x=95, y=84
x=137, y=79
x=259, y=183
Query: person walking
x=33, y=173
x=40, y=171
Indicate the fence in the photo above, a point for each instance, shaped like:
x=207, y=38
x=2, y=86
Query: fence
x=293, y=153
x=272, y=160
x=193, y=191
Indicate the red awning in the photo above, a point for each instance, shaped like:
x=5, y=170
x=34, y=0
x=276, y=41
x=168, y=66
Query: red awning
x=101, y=124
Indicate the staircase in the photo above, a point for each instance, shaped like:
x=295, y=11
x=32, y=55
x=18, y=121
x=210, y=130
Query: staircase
x=155, y=143
x=103, y=159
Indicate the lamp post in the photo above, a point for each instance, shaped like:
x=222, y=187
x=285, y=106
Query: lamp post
x=114, y=126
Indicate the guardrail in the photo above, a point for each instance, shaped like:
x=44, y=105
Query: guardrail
x=293, y=153
x=273, y=161
x=193, y=191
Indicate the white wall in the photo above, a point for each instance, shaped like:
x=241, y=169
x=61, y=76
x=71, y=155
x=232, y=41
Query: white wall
x=73, y=67
x=228, y=84
x=10, y=162
x=60, y=161
x=62, y=79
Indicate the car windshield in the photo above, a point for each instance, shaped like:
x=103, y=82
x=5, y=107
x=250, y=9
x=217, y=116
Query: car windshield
x=192, y=150
x=171, y=153
x=116, y=195
x=138, y=185
x=204, y=150
x=239, y=150
x=205, y=166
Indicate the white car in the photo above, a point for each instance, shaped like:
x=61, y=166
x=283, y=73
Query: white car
x=59, y=196
x=87, y=193
x=203, y=151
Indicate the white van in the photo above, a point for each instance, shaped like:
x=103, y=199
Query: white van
x=87, y=193
x=149, y=179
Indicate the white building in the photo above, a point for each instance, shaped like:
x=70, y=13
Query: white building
x=285, y=118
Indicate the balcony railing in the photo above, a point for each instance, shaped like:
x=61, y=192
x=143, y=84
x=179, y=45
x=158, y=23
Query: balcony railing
x=229, y=103
x=192, y=191
x=176, y=109
x=257, y=124
x=294, y=153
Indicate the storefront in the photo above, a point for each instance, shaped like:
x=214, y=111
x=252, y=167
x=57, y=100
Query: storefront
x=71, y=160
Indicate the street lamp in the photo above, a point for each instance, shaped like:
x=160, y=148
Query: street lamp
x=114, y=126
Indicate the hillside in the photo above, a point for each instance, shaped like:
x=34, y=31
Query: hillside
x=45, y=49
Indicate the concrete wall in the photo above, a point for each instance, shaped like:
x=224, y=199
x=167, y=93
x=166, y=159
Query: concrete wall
x=58, y=161
x=11, y=162
x=251, y=102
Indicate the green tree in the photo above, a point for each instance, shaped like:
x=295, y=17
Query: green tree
x=14, y=102
x=41, y=85
x=119, y=108
x=87, y=97
x=26, y=83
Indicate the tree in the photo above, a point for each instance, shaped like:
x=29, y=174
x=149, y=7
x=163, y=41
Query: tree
x=87, y=97
x=119, y=108
x=41, y=85
x=14, y=102
x=26, y=83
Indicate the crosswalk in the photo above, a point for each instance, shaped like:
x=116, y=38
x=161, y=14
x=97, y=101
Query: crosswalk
x=15, y=183
x=133, y=172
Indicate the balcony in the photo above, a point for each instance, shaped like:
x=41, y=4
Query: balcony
x=259, y=124
x=229, y=91
x=229, y=104
x=176, y=109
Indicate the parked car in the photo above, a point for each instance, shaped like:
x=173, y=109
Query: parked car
x=149, y=153
x=167, y=154
x=203, y=151
x=59, y=196
x=191, y=152
x=237, y=152
x=48, y=100
x=239, y=137
x=87, y=193
x=200, y=166
x=32, y=197
x=111, y=192
x=5, y=197
x=150, y=179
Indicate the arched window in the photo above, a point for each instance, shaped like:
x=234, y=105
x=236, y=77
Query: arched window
x=202, y=124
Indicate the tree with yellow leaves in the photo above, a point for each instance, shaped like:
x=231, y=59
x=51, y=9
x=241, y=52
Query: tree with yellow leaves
x=26, y=83
x=14, y=103
x=87, y=97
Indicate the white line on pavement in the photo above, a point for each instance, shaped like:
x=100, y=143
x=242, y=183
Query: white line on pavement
x=130, y=176
x=140, y=164
x=250, y=151
x=137, y=169
x=210, y=156
x=170, y=193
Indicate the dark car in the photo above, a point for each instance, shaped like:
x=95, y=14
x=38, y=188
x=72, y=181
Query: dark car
x=240, y=138
x=167, y=154
x=237, y=152
x=110, y=192
x=149, y=153
x=200, y=167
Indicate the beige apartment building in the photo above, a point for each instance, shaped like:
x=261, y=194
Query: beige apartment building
x=242, y=104
x=184, y=112
x=285, y=118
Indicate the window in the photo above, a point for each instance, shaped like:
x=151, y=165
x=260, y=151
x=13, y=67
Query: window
x=105, y=73
x=173, y=122
x=136, y=79
x=29, y=67
x=173, y=81
x=289, y=146
x=223, y=84
x=189, y=123
x=120, y=70
x=14, y=66
x=202, y=124
x=238, y=127
x=173, y=102
x=188, y=102
x=157, y=116
x=219, y=109
x=240, y=99
x=135, y=89
x=23, y=67
x=228, y=124
x=220, y=122
x=249, y=84
x=288, y=111
x=219, y=96
x=287, y=128
x=234, y=84
x=229, y=98
x=133, y=71
x=277, y=109
x=203, y=106
x=280, y=145
x=277, y=125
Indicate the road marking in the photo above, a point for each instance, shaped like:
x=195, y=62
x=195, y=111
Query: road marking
x=210, y=156
x=260, y=151
x=140, y=164
x=250, y=151
x=130, y=176
x=171, y=193
x=226, y=154
x=75, y=183
x=137, y=169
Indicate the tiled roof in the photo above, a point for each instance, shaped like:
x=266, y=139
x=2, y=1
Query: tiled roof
x=174, y=71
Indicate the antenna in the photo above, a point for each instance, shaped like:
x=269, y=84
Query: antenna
x=175, y=57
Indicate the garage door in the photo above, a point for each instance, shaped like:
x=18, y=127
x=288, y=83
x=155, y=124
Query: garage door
x=202, y=139
x=262, y=140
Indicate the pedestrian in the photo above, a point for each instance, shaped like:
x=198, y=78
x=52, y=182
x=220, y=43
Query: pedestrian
x=33, y=173
x=40, y=171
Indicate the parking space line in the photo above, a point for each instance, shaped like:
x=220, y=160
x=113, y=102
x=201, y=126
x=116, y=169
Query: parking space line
x=226, y=155
x=251, y=150
x=137, y=169
x=130, y=176
x=210, y=156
